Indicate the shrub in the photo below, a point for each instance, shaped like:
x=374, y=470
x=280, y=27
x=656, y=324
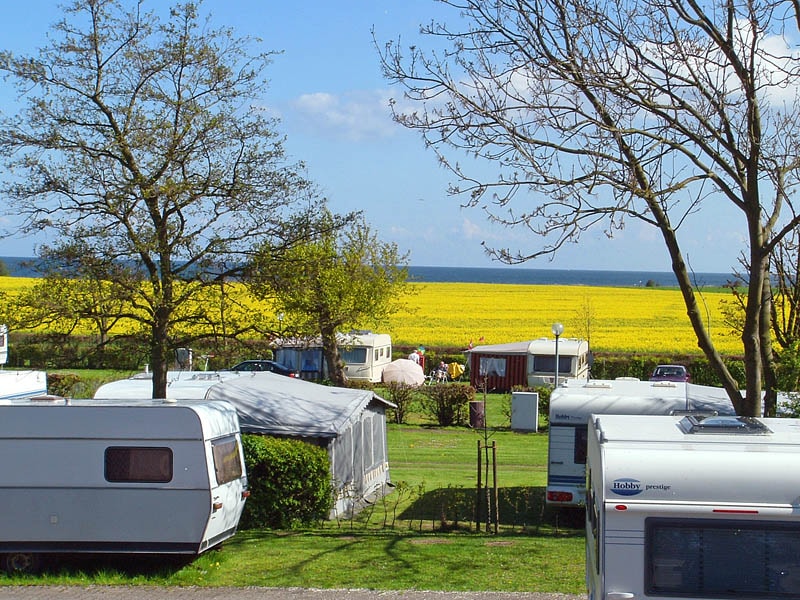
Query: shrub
x=62, y=384
x=448, y=403
x=402, y=396
x=290, y=483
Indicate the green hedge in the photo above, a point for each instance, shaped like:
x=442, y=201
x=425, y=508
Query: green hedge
x=641, y=366
x=290, y=483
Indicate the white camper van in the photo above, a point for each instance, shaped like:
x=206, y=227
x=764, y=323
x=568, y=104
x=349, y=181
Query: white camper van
x=687, y=507
x=117, y=477
x=572, y=403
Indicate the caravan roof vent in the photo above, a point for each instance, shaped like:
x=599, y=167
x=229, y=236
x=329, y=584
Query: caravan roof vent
x=598, y=384
x=723, y=424
x=664, y=384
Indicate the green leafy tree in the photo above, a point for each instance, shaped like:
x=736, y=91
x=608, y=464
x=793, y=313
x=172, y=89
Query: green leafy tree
x=343, y=278
x=141, y=142
x=593, y=115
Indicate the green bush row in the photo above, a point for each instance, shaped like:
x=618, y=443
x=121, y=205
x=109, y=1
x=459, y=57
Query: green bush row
x=51, y=351
x=290, y=483
x=641, y=366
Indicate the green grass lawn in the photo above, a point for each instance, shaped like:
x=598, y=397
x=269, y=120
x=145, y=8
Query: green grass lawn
x=426, y=534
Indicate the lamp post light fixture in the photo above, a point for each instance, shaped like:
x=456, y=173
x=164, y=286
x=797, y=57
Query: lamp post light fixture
x=557, y=330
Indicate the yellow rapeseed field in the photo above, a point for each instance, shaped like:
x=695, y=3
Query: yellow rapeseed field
x=614, y=319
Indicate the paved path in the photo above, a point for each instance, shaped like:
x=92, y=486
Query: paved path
x=254, y=593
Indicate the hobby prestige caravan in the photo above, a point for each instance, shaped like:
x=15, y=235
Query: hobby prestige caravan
x=693, y=508
x=117, y=477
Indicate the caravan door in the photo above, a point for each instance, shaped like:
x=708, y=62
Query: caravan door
x=228, y=487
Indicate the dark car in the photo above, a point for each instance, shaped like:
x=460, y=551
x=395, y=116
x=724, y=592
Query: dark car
x=264, y=365
x=670, y=373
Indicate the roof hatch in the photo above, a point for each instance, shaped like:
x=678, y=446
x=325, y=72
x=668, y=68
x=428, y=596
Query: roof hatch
x=723, y=424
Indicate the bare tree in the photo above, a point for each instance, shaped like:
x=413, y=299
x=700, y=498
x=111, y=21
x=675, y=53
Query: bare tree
x=142, y=141
x=596, y=113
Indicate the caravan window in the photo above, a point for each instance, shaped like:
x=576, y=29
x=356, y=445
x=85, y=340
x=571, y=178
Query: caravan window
x=227, y=460
x=489, y=367
x=545, y=363
x=354, y=356
x=138, y=465
x=701, y=558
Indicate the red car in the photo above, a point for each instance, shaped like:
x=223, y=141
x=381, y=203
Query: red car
x=670, y=373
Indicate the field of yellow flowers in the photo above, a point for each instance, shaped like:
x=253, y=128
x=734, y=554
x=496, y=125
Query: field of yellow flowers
x=613, y=319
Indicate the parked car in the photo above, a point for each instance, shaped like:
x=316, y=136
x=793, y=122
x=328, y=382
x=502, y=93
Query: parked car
x=670, y=373
x=264, y=365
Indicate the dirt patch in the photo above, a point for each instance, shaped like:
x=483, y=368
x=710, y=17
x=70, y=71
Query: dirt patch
x=499, y=543
x=431, y=541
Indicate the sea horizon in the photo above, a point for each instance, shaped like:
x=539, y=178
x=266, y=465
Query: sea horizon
x=19, y=266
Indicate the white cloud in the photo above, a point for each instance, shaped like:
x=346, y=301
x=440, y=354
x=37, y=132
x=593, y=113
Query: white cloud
x=354, y=116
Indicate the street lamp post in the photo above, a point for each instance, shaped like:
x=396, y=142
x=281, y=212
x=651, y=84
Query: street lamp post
x=557, y=330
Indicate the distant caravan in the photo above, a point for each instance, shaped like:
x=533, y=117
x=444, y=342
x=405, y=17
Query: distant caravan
x=365, y=354
x=502, y=367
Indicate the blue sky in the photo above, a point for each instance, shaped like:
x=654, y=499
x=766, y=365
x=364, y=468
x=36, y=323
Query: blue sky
x=332, y=99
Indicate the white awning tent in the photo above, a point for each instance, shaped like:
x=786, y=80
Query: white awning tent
x=349, y=423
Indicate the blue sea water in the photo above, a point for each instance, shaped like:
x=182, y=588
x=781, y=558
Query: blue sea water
x=561, y=276
x=23, y=267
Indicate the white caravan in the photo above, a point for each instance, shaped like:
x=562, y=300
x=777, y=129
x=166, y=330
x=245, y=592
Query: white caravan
x=686, y=507
x=22, y=384
x=365, y=354
x=117, y=477
x=574, y=402
x=574, y=360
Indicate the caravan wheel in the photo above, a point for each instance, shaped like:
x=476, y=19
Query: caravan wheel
x=21, y=562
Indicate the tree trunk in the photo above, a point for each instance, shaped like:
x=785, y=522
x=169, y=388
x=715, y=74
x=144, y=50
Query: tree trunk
x=159, y=353
x=767, y=356
x=330, y=350
x=704, y=342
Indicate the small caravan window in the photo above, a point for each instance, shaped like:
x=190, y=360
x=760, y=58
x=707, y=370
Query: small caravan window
x=354, y=356
x=138, y=465
x=700, y=558
x=227, y=461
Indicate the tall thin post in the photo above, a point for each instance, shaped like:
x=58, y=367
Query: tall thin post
x=478, y=493
x=494, y=485
x=557, y=330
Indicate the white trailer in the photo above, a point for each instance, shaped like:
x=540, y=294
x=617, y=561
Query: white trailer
x=686, y=507
x=573, y=360
x=117, y=477
x=365, y=354
x=572, y=403
x=22, y=384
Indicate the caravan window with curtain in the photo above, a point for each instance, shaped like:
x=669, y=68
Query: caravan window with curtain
x=492, y=367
